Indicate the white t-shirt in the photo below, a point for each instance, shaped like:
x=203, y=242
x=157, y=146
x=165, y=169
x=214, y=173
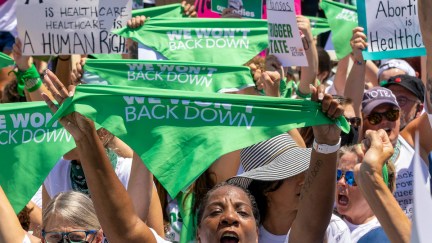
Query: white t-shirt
x=58, y=179
x=359, y=231
x=404, y=177
x=337, y=232
x=26, y=239
x=8, y=21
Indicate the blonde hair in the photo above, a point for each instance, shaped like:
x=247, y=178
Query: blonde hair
x=74, y=207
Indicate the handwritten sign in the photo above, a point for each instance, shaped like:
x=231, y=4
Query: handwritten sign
x=392, y=28
x=53, y=27
x=283, y=33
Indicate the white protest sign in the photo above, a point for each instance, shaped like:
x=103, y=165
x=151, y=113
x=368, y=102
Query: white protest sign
x=284, y=36
x=392, y=28
x=53, y=27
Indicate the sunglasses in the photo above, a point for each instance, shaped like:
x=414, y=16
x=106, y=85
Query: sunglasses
x=354, y=121
x=349, y=177
x=376, y=117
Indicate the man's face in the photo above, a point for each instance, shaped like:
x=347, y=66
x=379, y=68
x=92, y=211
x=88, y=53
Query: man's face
x=408, y=103
x=381, y=118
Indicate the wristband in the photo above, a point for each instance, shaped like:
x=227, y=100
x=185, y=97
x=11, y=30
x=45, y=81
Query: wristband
x=28, y=79
x=325, y=148
x=301, y=95
x=385, y=174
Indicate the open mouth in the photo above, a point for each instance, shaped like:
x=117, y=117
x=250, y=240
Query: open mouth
x=229, y=238
x=343, y=200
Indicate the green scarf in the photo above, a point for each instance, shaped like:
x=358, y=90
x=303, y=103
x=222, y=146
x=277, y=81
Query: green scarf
x=166, y=11
x=201, y=77
x=29, y=149
x=179, y=134
x=318, y=25
x=342, y=19
x=218, y=41
x=5, y=60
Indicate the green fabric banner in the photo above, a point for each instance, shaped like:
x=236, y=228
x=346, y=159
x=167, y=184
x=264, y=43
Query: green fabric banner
x=5, y=60
x=29, y=149
x=342, y=19
x=179, y=134
x=219, y=41
x=166, y=11
x=318, y=25
x=202, y=77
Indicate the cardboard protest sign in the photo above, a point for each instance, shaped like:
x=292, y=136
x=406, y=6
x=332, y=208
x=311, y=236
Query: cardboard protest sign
x=201, y=77
x=29, y=149
x=220, y=41
x=342, y=19
x=53, y=27
x=252, y=9
x=283, y=33
x=392, y=29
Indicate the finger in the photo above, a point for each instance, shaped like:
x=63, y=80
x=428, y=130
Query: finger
x=49, y=102
x=314, y=92
x=326, y=103
x=183, y=3
x=71, y=90
x=191, y=9
x=50, y=82
x=274, y=75
x=257, y=74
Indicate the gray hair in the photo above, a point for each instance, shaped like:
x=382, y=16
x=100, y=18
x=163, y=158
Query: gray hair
x=74, y=207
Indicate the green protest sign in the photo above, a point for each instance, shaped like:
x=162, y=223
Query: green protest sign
x=179, y=134
x=202, y=77
x=247, y=9
x=220, y=41
x=29, y=149
x=342, y=19
x=318, y=25
x=5, y=60
x=165, y=11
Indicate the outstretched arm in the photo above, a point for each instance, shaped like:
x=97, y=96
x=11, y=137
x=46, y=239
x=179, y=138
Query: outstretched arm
x=309, y=73
x=368, y=176
x=317, y=195
x=114, y=207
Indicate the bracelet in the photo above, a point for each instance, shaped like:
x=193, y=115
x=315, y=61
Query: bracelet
x=325, y=148
x=64, y=59
x=28, y=79
x=301, y=95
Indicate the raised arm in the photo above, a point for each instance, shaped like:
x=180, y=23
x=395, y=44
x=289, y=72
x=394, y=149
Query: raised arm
x=317, y=195
x=309, y=73
x=356, y=79
x=368, y=176
x=114, y=207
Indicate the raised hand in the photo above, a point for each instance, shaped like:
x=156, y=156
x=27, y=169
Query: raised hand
x=188, y=9
x=358, y=43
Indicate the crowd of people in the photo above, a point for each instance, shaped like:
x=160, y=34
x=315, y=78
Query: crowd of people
x=312, y=184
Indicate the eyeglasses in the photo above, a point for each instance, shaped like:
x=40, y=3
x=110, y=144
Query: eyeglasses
x=376, y=117
x=354, y=121
x=402, y=100
x=76, y=236
x=349, y=177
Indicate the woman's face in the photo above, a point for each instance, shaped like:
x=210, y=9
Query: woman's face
x=349, y=200
x=56, y=223
x=228, y=217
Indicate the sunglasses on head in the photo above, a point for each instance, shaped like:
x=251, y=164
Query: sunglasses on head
x=376, y=117
x=354, y=121
x=349, y=177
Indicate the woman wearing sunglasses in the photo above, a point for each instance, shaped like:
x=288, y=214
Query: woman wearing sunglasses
x=350, y=202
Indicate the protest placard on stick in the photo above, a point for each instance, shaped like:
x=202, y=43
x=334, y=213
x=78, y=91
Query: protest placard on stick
x=53, y=27
x=392, y=28
x=284, y=37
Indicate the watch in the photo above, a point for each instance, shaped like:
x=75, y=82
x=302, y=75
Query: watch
x=325, y=148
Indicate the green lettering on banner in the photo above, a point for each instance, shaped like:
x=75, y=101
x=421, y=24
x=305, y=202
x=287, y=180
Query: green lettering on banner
x=29, y=149
x=251, y=9
x=219, y=41
x=202, y=77
x=173, y=130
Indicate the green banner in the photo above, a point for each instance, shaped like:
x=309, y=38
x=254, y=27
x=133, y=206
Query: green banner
x=179, y=134
x=342, y=19
x=5, y=60
x=166, y=11
x=247, y=9
x=29, y=149
x=219, y=41
x=202, y=77
x=318, y=25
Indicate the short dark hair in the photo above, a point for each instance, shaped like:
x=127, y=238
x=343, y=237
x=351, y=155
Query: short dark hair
x=204, y=202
